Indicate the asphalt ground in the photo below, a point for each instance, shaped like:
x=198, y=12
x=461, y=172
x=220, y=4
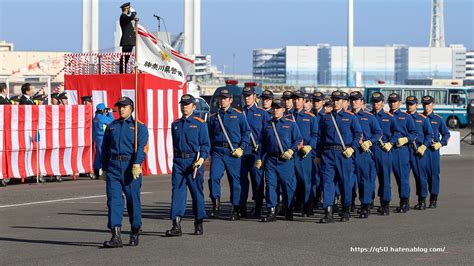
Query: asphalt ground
x=65, y=224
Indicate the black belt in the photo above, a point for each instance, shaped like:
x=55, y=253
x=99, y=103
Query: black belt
x=120, y=158
x=184, y=155
x=334, y=147
x=273, y=154
x=222, y=144
x=411, y=145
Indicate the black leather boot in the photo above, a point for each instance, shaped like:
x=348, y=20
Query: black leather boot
x=257, y=210
x=243, y=210
x=270, y=217
x=234, y=216
x=336, y=205
x=346, y=214
x=308, y=209
x=353, y=205
x=198, y=230
x=116, y=240
x=404, y=207
x=385, y=208
x=96, y=174
x=134, y=237
x=327, y=216
x=289, y=214
x=433, y=201
x=176, y=229
x=216, y=208
x=421, y=204
x=364, y=211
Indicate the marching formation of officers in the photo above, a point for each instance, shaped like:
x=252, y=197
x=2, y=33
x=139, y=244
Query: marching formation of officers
x=305, y=151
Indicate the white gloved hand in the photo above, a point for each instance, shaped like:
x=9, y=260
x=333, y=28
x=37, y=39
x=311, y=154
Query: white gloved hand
x=305, y=150
x=402, y=141
x=348, y=152
x=436, y=146
x=366, y=145
x=287, y=155
x=198, y=163
x=387, y=146
x=136, y=171
x=421, y=150
x=238, y=153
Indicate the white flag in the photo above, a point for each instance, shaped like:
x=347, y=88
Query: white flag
x=158, y=58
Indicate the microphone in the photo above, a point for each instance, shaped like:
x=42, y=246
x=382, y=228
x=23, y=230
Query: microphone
x=156, y=16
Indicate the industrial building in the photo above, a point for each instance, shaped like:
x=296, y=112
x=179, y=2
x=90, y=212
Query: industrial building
x=391, y=64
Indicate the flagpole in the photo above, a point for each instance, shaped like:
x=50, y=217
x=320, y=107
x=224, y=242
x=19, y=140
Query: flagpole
x=136, y=86
x=37, y=154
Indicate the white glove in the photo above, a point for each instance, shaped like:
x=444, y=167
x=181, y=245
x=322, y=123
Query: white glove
x=287, y=155
x=348, y=152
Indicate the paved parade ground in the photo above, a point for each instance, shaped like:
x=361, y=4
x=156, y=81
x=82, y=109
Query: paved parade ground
x=65, y=223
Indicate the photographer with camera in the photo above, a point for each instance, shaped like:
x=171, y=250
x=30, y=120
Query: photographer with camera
x=103, y=117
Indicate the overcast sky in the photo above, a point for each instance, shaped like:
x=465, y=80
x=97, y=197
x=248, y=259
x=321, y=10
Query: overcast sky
x=239, y=26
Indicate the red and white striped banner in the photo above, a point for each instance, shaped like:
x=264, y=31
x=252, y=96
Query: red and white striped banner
x=158, y=107
x=64, y=146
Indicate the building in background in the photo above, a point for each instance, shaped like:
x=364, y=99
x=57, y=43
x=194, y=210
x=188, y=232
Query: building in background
x=326, y=65
x=470, y=65
x=270, y=64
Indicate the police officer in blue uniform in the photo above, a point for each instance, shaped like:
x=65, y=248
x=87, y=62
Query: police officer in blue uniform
x=289, y=104
x=256, y=118
x=319, y=111
x=101, y=119
x=401, y=152
x=441, y=136
x=281, y=139
x=230, y=135
x=191, y=146
x=363, y=157
x=122, y=170
x=418, y=161
x=267, y=99
x=382, y=148
x=308, y=128
x=336, y=156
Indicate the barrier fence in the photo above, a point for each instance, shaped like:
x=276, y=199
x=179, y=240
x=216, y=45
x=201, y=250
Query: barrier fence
x=45, y=140
x=97, y=63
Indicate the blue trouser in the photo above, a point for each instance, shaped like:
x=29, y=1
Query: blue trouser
x=303, y=171
x=284, y=170
x=120, y=180
x=356, y=177
x=433, y=171
x=98, y=153
x=336, y=167
x=401, y=170
x=181, y=178
x=418, y=165
x=256, y=177
x=222, y=161
x=365, y=171
x=383, y=166
x=316, y=180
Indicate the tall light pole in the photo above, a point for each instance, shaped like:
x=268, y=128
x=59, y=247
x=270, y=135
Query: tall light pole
x=350, y=43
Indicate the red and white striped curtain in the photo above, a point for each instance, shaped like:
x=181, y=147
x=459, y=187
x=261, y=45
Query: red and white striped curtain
x=157, y=108
x=45, y=140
